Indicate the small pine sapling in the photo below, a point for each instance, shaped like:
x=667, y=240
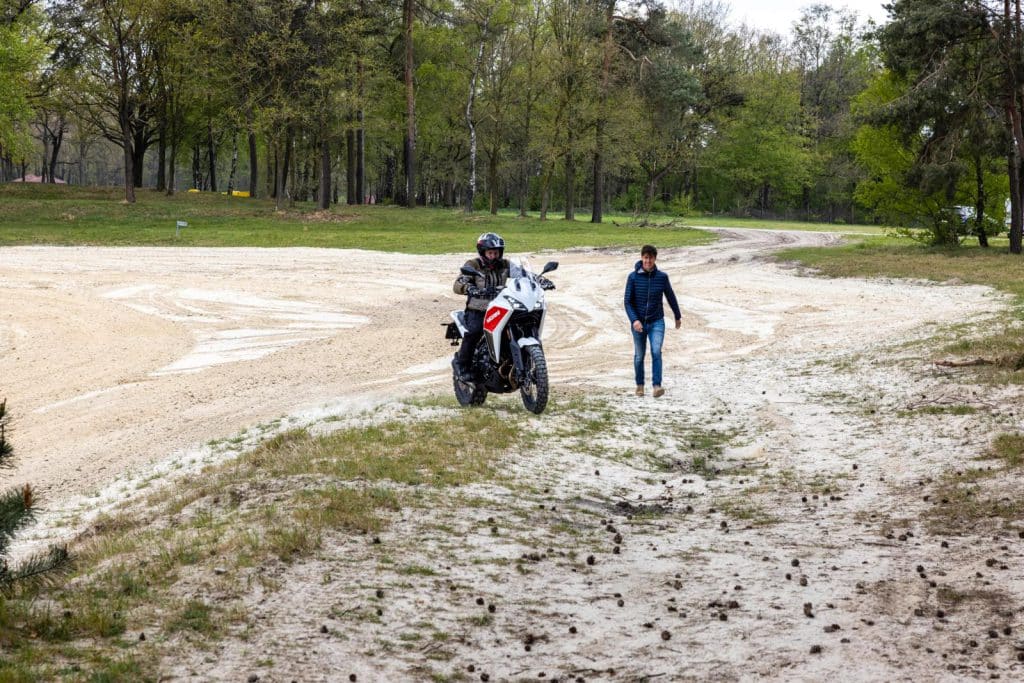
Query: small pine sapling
x=17, y=508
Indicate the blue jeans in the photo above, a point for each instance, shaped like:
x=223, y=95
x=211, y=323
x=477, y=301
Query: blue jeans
x=656, y=333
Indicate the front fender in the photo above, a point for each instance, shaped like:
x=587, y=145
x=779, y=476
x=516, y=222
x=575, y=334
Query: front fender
x=527, y=341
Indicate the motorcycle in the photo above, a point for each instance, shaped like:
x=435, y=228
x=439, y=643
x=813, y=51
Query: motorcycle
x=509, y=356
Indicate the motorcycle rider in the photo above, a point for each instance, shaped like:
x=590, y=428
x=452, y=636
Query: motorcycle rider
x=479, y=290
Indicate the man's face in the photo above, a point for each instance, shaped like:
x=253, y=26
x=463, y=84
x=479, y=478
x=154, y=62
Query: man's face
x=490, y=254
x=647, y=260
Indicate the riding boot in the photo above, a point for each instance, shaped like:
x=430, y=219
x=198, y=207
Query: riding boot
x=461, y=373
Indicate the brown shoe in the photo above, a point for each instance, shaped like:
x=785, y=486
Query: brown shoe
x=640, y=390
x=658, y=392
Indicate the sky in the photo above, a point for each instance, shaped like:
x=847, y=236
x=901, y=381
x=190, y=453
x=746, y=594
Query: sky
x=779, y=15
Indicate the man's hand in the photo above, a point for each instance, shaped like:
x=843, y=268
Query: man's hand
x=679, y=323
x=638, y=326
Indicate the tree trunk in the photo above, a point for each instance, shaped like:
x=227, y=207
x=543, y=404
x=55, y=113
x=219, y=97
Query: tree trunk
x=360, y=160
x=597, y=210
x=253, y=165
x=471, y=190
x=492, y=179
x=350, y=167
x=545, y=194
x=234, y=163
x=570, y=182
x=170, y=168
x=1017, y=219
x=197, y=174
x=409, y=145
x=279, y=176
x=129, y=169
x=46, y=154
x=325, y=175
x=161, y=153
x=58, y=140
x=286, y=163
x=291, y=168
x=211, y=154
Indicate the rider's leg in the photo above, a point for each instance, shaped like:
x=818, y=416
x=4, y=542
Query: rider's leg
x=474, y=321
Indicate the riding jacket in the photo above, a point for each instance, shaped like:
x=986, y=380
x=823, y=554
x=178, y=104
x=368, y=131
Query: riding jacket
x=492, y=277
x=643, y=295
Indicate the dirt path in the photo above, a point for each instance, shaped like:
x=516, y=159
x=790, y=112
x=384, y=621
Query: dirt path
x=117, y=359
x=111, y=359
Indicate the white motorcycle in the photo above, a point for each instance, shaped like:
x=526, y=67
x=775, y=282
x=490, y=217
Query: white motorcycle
x=510, y=355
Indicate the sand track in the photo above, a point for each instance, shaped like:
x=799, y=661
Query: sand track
x=112, y=358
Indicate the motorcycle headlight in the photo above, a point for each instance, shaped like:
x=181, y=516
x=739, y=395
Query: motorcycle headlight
x=516, y=305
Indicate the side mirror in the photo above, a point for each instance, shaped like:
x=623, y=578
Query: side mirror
x=466, y=270
x=549, y=266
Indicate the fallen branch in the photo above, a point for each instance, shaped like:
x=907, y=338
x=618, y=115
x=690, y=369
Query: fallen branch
x=964, y=363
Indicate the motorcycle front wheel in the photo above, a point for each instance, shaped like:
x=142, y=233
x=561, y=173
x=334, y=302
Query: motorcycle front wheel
x=535, y=387
x=469, y=394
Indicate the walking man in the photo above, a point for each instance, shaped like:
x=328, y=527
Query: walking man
x=645, y=287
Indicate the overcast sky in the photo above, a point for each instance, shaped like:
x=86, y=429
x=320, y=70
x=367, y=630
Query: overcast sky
x=779, y=15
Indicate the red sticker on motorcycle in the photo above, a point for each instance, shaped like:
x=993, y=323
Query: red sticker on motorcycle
x=494, y=318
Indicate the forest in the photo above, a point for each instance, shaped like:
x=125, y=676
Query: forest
x=574, y=107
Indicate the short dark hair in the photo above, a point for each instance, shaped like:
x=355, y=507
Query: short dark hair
x=649, y=249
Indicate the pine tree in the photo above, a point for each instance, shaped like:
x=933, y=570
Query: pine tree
x=17, y=509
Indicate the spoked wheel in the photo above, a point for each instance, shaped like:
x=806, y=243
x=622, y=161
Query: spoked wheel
x=534, y=389
x=469, y=394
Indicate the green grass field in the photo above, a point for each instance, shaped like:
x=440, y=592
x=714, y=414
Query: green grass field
x=47, y=214
x=896, y=257
x=61, y=215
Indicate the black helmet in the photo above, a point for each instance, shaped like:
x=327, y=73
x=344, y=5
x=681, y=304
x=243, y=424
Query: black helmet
x=490, y=240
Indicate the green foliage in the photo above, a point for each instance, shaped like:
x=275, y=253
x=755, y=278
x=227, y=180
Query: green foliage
x=22, y=50
x=762, y=158
x=945, y=82
x=900, y=191
x=17, y=509
x=5, y=446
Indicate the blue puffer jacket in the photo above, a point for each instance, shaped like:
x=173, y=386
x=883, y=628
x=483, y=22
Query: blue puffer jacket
x=643, y=295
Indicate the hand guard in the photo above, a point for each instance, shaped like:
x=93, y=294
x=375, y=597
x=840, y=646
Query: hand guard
x=465, y=280
x=545, y=283
x=482, y=292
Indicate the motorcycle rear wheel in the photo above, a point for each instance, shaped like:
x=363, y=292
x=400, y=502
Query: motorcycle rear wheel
x=469, y=394
x=534, y=390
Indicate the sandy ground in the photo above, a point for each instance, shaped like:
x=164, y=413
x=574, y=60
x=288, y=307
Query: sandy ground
x=118, y=361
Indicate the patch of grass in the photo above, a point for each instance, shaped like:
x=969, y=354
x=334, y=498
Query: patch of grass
x=35, y=214
x=951, y=598
x=1009, y=448
x=416, y=570
x=194, y=615
x=742, y=509
x=941, y=410
x=339, y=507
x=974, y=496
x=292, y=541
